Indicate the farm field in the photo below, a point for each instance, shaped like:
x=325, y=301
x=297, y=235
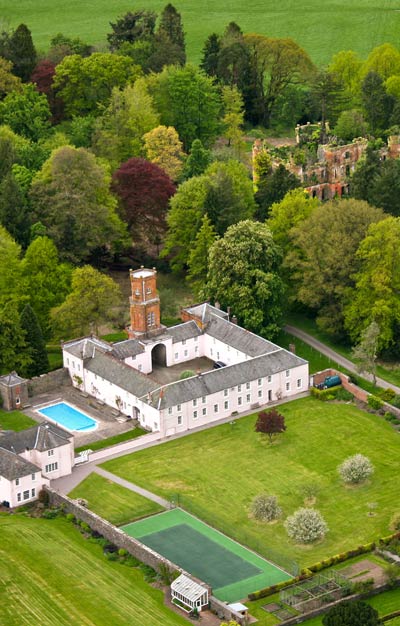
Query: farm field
x=116, y=504
x=216, y=473
x=51, y=575
x=322, y=28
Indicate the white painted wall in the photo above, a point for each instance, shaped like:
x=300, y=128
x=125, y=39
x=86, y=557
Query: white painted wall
x=62, y=457
x=216, y=350
x=16, y=494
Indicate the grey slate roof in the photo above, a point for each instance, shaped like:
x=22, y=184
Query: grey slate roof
x=86, y=347
x=184, y=331
x=120, y=374
x=12, y=379
x=237, y=337
x=202, y=311
x=13, y=466
x=124, y=349
x=44, y=436
x=225, y=377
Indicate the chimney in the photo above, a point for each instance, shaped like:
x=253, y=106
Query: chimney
x=292, y=348
x=234, y=319
x=217, y=304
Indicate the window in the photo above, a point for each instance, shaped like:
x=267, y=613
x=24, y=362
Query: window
x=179, y=407
x=148, y=290
x=299, y=383
x=226, y=404
x=33, y=476
x=18, y=497
x=140, y=367
x=287, y=386
x=184, y=342
x=204, y=411
x=225, y=392
x=185, y=353
x=26, y=494
x=203, y=399
x=260, y=393
x=259, y=382
x=33, y=493
x=239, y=387
x=137, y=292
x=176, y=355
x=287, y=373
x=239, y=401
x=73, y=364
x=79, y=367
x=269, y=395
x=179, y=419
x=196, y=338
x=51, y=467
x=217, y=356
x=17, y=481
x=151, y=319
x=196, y=349
x=247, y=385
x=195, y=402
x=215, y=408
x=269, y=379
x=169, y=410
x=67, y=361
x=195, y=415
x=50, y=452
x=95, y=376
x=211, y=351
x=248, y=398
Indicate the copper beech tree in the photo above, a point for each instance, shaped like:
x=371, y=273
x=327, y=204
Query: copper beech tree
x=270, y=423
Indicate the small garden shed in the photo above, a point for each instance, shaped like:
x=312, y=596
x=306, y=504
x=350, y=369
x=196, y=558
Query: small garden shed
x=188, y=595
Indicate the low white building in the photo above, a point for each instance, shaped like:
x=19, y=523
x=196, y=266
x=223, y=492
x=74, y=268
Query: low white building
x=256, y=372
x=188, y=595
x=29, y=459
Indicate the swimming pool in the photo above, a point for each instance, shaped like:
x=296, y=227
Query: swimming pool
x=70, y=418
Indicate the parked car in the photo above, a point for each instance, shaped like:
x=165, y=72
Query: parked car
x=218, y=364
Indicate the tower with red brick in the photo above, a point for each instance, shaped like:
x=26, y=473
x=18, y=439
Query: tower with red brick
x=144, y=304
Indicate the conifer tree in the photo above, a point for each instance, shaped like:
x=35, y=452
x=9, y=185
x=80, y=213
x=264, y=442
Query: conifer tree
x=198, y=160
x=35, y=342
x=211, y=50
x=22, y=52
x=171, y=26
x=198, y=258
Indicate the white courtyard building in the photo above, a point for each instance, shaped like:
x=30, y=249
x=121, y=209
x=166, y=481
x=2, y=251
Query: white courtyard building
x=254, y=371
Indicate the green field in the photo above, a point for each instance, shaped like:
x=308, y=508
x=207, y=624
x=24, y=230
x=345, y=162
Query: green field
x=230, y=569
x=50, y=575
x=322, y=28
x=15, y=420
x=112, y=441
x=215, y=474
x=116, y=504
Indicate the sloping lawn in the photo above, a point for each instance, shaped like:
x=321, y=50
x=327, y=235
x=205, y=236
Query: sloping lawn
x=216, y=473
x=116, y=504
x=50, y=575
x=15, y=420
x=112, y=441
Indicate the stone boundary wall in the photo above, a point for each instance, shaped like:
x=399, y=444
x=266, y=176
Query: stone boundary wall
x=326, y=607
x=134, y=547
x=49, y=382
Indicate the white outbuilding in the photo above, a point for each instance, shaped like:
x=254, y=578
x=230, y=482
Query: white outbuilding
x=188, y=595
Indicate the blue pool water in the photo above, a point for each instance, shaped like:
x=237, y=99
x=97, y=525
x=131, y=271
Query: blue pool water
x=68, y=417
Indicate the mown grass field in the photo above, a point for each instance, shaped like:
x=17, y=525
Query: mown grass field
x=15, y=420
x=322, y=28
x=51, y=575
x=216, y=473
x=116, y=504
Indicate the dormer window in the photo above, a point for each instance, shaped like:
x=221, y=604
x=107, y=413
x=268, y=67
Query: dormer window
x=148, y=290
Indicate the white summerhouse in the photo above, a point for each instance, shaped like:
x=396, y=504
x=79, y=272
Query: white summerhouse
x=187, y=594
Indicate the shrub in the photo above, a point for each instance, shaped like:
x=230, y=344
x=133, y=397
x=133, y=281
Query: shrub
x=396, y=401
x=70, y=517
x=363, y=585
x=265, y=508
x=355, y=469
x=85, y=527
x=310, y=491
x=43, y=497
x=306, y=526
x=186, y=374
x=149, y=573
x=351, y=613
x=387, y=395
x=344, y=395
x=390, y=417
x=375, y=403
x=50, y=513
x=392, y=572
x=122, y=552
x=395, y=522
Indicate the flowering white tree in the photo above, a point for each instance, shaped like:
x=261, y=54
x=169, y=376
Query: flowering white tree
x=306, y=526
x=355, y=469
x=265, y=508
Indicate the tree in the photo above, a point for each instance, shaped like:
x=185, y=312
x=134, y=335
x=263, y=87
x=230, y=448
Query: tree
x=296, y=206
x=273, y=188
x=91, y=301
x=85, y=84
x=44, y=279
x=233, y=118
x=323, y=261
x=265, y=508
x=171, y=26
x=375, y=295
x=377, y=104
x=198, y=160
x=347, y=67
x=385, y=187
x=210, y=55
x=21, y=52
x=276, y=63
x=144, y=191
x=366, y=171
x=327, y=94
x=71, y=197
x=118, y=132
x=14, y=213
x=384, y=60
x=14, y=350
x=270, y=423
x=244, y=272
x=198, y=257
x=36, y=344
x=62, y=46
x=164, y=148
x=189, y=101
x=354, y=613
x=26, y=113
x=355, y=469
x=10, y=277
x=351, y=124
x=306, y=526
x=366, y=352
x=131, y=27
x=8, y=81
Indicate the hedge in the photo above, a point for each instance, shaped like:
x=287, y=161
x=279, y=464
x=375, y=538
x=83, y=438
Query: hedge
x=325, y=394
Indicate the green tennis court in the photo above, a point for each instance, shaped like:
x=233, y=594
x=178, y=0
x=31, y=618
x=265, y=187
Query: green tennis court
x=232, y=570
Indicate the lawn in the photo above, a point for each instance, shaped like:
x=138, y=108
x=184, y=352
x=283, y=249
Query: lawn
x=15, y=420
x=215, y=474
x=116, y=504
x=322, y=28
x=112, y=441
x=51, y=575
